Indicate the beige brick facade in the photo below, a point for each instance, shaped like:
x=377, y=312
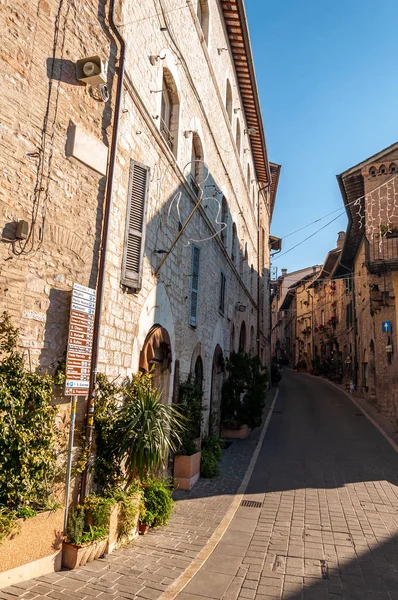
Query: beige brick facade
x=62, y=198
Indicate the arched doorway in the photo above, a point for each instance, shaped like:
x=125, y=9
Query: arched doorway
x=242, y=337
x=156, y=356
x=217, y=379
x=198, y=373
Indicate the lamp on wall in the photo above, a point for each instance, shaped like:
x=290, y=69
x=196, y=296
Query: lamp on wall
x=220, y=50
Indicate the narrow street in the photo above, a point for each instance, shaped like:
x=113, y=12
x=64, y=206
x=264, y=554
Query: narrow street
x=325, y=525
x=328, y=522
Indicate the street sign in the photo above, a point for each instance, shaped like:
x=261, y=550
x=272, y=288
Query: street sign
x=80, y=341
x=386, y=326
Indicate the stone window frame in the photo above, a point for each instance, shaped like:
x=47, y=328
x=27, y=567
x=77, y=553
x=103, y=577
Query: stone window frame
x=169, y=108
x=203, y=15
x=228, y=99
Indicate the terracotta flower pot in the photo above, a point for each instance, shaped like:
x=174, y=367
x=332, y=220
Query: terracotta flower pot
x=143, y=528
x=77, y=556
x=237, y=432
x=186, y=470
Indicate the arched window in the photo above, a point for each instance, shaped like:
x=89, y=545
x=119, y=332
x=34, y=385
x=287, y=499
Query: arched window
x=392, y=168
x=242, y=337
x=252, y=341
x=224, y=221
x=198, y=373
x=238, y=136
x=232, y=340
x=372, y=171
x=197, y=165
x=204, y=18
x=228, y=100
x=248, y=176
x=234, y=254
x=382, y=169
x=169, y=111
x=254, y=198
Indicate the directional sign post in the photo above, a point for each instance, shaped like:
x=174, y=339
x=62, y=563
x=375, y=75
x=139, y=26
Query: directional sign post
x=386, y=326
x=80, y=341
x=78, y=363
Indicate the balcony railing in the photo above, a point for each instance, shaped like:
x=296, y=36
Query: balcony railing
x=165, y=131
x=382, y=253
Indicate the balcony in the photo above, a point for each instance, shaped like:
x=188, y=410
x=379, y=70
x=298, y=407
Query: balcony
x=382, y=253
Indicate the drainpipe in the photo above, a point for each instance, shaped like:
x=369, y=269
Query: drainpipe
x=104, y=244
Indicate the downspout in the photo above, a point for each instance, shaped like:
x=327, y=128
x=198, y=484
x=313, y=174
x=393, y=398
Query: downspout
x=104, y=244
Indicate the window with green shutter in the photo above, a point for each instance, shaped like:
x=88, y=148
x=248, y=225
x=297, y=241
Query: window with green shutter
x=134, y=239
x=193, y=314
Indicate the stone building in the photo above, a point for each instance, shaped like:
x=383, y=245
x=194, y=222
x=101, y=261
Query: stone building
x=283, y=312
x=369, y=261
x=155, y=188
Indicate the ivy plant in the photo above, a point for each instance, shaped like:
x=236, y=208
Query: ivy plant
x=27, y=433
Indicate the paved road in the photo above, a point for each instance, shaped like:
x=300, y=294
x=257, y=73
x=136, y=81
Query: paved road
x=327, y=526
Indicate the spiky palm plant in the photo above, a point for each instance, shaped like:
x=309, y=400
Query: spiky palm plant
x=147, y=431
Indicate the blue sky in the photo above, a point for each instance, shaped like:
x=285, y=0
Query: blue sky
x=327, y=79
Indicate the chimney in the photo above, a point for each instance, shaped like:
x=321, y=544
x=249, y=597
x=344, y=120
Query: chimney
x=284, y=272
x=340, y=239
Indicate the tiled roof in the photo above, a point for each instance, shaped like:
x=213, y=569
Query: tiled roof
x=238, y=33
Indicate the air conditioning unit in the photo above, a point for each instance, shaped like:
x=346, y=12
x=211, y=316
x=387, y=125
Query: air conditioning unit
x=91, y=70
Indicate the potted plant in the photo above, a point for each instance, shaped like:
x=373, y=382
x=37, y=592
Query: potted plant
x=146, y=430
x=187, y=460
x=243, y=395
x=157, y=503
x=211, y=454
x=83, y=542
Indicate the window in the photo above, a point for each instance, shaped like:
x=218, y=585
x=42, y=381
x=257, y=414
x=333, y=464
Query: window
x=193, y=315
x=234, y=253
x=232, y=340
x=134, y=237
x=372, y=171
x=204, y=18
x=382, y=170
x=199, y=373
x=349, y=314
x=392, y=168
x=238, y=136
x=228, y=100
x=242, y=337
x=222, y=293
x=254, y=198
x=224, y=221
x=248, y=176
x=169, y=112
x=322, y=317
x=197, y=167
x=348, y=285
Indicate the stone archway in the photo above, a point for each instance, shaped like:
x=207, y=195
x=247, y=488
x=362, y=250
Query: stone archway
x=217, y=379
x=156, y=356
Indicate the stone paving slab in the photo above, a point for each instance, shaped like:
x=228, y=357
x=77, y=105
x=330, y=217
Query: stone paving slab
x=148, y=566
x=328, y=525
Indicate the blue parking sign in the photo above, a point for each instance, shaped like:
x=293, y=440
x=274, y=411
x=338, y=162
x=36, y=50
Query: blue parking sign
x=386, y=326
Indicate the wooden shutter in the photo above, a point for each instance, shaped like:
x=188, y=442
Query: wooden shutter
x=134, y=239
x=193, y=315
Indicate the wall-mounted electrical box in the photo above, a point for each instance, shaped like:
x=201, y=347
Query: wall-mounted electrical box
x=22, y=230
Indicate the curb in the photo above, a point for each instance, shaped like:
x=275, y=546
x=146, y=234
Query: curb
x=179, y=584
x=367, y=415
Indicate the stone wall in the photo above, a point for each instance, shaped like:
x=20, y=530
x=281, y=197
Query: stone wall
x=61, y=198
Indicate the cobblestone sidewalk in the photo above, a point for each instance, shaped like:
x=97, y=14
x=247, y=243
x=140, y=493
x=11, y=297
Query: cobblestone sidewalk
x=146, y=568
